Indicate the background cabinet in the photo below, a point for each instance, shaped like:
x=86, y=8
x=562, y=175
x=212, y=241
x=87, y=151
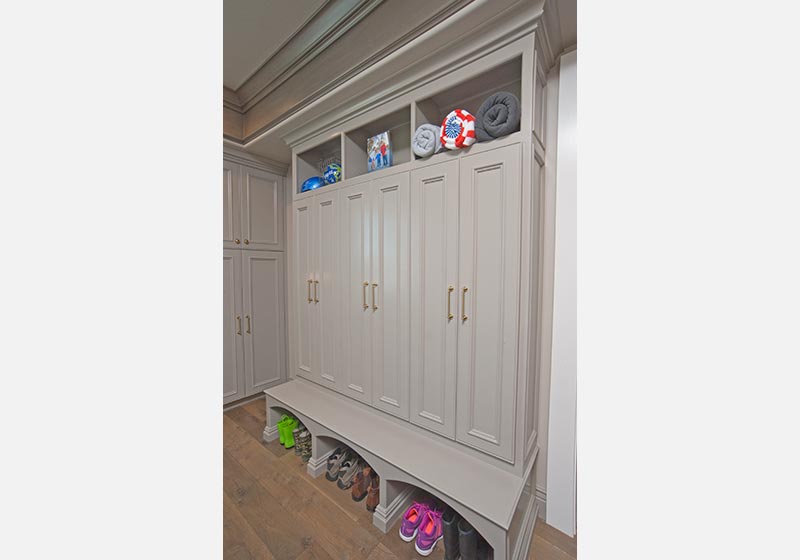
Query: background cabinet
x=232, y=342
x=252, y=208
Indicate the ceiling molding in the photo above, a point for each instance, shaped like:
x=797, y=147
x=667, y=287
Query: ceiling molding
x=436, y=18
x=328, y=24
x=230, y=100
x=235, y=154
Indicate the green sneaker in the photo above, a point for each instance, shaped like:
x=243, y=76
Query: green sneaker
x=288, y=437
x=281, y=422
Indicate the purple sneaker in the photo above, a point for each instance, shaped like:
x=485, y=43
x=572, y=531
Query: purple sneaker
x=430, y=532
x=411, y=520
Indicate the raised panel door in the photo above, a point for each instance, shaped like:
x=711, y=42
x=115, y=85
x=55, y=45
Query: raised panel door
x=231, y=216
x=354, y=328
x=303, y=278
x=389, y=293
x=325, y=293
x=434, y=297
x=262, y=210
x=232, y=333
x=264, y=321
x=489, y=261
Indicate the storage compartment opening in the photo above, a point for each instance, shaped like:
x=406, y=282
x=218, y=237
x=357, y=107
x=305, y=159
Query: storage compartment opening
x=312, y=163
x=471, y=93
x=398, y=124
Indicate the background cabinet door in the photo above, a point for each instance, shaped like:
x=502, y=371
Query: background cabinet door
x=434, y=268
x=390, y=290
x=354, y=244
x=232, y=332
x=489, y=246
x=231, y=215
x=325, y=292
x=262, y=210
x=263, y=321
x=302, y=261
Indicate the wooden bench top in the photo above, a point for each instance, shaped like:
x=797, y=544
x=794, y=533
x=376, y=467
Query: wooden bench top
x=484, y=488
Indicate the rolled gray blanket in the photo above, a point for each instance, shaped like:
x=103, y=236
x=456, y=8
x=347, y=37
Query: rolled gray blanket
x=498, y=116
x=426, y=140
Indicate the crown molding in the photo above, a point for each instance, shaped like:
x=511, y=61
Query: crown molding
x=324, y=27
x=234, y=153
x=230, y=100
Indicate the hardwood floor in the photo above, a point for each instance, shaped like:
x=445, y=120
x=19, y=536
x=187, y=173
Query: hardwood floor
x=274, y=510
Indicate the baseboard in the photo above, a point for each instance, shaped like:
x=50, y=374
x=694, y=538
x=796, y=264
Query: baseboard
x=523, y=548
x=316, y=467
x=541, y=502
x=270, y=433
x=384, y=518
x=240, y=402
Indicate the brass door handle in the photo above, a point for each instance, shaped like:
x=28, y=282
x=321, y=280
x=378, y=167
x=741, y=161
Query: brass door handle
x=238, y=325
x=236, y=241
x=364, y=295
x=316, y=283
x=374, y=307
x=449, y=292
x=248, y=323
x=308, y=297
x=464, y=303
x=247, y=242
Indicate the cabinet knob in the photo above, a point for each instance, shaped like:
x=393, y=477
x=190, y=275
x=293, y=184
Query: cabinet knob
x=247, y=242
x=236, y=241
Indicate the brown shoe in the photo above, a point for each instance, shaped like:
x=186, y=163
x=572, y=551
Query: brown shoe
x=361, y=484
x=374, y=491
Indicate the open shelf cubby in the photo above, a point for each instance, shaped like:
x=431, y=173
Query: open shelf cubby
x=470, y=93
x=314, y=161
x=397, y=123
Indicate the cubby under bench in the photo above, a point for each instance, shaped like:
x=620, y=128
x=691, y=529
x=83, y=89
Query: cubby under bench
x=499, y=504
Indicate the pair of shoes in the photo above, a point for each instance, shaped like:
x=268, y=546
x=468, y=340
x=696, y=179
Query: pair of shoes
x=422, y=523
x=303, y=447
x=361, y=484
x=286, y=427
x=464, y=540
x=348, y=471
x=336, y=460
x=373, y=491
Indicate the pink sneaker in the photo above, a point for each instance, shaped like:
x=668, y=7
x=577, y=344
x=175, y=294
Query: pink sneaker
x=411, y=520
x=430, y=532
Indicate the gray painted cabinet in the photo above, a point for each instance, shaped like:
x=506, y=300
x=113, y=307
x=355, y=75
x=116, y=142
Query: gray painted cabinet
x=489, y=269
x=434, y=297
x=232, y=341
x=252, y=208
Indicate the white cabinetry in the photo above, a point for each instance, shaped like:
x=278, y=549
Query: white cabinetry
x=232, y=342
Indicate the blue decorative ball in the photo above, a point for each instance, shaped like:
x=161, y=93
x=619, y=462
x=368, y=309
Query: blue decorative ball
x=333, y=173
x=312, y=183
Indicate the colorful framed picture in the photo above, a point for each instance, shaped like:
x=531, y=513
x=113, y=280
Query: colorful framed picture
x=379, y=152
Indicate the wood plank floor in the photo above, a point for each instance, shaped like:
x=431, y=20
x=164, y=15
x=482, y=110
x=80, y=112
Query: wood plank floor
x=274, y=510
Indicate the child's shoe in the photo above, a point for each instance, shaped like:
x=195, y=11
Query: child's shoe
x=429, y=533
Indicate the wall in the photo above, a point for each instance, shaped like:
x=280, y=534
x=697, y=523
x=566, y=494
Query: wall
x=561, y=452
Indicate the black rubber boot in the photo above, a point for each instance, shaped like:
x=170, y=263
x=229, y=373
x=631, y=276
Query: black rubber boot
x=467, y=541
x=450, y=521
x=483, y=549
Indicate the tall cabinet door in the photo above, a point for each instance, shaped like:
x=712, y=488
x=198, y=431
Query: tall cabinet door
x=389, y=293
x=262, y=210
x=489, y=246
x=264, y=321
x=231, y=217
x=354, y=328
x=325, y=291
x=434, y=297
x=303, y=278
x=232, y=361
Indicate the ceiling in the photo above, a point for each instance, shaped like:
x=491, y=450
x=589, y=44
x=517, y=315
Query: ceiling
x=254, y=30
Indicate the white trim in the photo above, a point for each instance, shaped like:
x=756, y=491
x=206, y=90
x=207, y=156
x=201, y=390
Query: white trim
x=385, y=517
x=236, y=155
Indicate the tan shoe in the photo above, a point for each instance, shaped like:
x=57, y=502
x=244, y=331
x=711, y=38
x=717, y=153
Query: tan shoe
x=361, y=484
x=374, y=491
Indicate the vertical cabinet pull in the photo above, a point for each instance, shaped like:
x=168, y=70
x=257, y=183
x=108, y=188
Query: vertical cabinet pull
x=248, y=323
x=449, y=292
x=308, y=298
x=316, y=283
x=464, y=303
x=238, y=325
x=364, y=295
x=374, y=307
